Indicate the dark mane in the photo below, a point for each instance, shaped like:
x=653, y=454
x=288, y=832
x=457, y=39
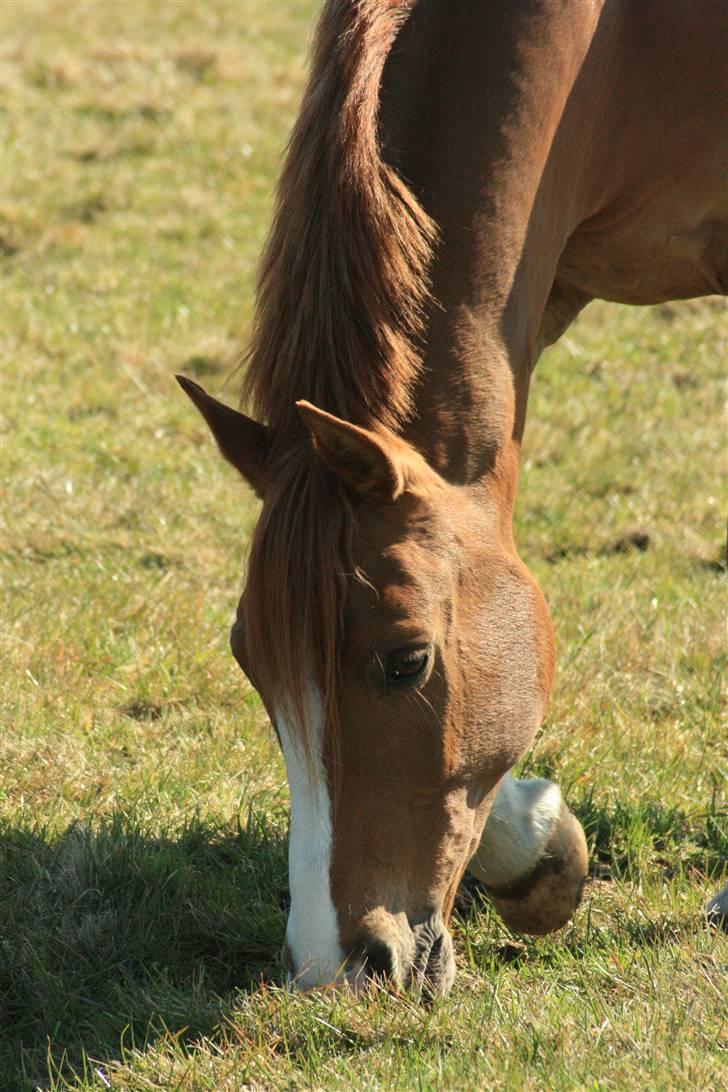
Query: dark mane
x=343, y=276
x=342, y=283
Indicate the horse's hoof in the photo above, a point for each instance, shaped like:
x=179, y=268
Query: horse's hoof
x=545, y=899
x=717, y=910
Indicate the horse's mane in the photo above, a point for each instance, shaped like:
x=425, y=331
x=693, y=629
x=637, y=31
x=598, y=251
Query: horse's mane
x=342, y=284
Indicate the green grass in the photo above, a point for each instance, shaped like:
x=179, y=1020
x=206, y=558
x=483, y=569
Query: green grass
x=143, y=803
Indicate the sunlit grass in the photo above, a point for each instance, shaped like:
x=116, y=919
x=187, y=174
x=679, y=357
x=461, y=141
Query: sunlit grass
x=143, y=804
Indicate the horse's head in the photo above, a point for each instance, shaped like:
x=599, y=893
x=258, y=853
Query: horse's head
x=406, y=684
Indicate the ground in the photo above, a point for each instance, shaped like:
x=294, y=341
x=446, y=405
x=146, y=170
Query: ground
x=143, y=802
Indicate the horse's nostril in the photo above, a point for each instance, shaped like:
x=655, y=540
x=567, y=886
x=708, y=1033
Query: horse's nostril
x=378, y=958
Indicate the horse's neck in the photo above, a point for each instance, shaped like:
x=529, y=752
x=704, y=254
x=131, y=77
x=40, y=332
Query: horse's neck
x=473, y=135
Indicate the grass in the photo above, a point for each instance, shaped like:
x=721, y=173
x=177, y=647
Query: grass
x=143, y=803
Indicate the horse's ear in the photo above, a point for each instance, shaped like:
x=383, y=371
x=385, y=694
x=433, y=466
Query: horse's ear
x=369, y=461
x=243, y=442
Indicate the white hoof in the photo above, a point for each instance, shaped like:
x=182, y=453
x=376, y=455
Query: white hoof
x=532, y=858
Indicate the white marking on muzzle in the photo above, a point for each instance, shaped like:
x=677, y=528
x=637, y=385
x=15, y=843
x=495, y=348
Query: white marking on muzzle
x=517, y=830
x=312, y=933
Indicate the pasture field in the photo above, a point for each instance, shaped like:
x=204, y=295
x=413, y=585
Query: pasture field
x=143, y=803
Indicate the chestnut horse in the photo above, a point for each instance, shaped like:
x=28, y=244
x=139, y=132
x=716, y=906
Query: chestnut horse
x=462, y=179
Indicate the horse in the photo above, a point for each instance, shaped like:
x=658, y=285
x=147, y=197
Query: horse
x=461, y=181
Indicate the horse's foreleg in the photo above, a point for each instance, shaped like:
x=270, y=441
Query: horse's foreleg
x=532, y=857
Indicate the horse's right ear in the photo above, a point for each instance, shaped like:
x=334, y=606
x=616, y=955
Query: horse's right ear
x=243, y=442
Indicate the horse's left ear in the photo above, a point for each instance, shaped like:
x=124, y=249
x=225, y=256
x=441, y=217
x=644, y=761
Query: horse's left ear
x=243, y=442
x=371, y=462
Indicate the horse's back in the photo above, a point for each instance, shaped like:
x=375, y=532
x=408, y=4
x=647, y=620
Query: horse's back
x=655, y=181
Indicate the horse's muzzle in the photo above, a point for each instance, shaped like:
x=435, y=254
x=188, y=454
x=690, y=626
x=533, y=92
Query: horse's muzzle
x=407, y=956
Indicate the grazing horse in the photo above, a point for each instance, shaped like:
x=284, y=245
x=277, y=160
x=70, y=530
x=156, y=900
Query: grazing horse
x=462, y=179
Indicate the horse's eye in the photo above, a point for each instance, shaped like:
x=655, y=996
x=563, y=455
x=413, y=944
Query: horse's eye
x=405, y=666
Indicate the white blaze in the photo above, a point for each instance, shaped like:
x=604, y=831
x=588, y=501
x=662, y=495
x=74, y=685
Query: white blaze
x=312, y=933
x=517, y=830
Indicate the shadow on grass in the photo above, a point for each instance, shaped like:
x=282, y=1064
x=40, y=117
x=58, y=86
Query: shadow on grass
x=625, y=838
x=117, y=934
